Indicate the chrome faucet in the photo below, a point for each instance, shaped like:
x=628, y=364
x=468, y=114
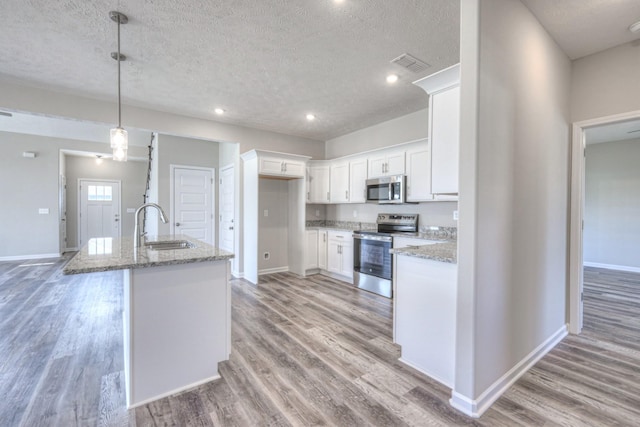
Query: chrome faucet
x=138, y=237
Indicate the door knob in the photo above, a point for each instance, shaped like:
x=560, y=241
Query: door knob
x=230, y=228
x=177, y=224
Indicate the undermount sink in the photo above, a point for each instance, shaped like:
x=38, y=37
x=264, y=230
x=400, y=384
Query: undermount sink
x=166, y=245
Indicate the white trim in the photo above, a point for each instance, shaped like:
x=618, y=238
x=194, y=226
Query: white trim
x=576, y=214
x=177, y=390
x=79, y=216
x=34, y=256
x=172, y=224
x=273, y=270
x=475, y=408
x=612, y=267
x=74, y=249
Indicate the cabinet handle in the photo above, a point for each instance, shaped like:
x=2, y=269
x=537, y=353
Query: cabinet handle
x=324, y=237
x=285, y=167
x=308, y=195
x=346, y=194
x=327, y=196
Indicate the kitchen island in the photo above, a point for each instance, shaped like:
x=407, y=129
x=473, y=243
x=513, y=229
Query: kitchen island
x=177, y=312
x=424, y=316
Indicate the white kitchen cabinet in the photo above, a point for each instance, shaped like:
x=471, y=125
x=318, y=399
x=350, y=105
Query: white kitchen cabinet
x=425, y=315
x=340, y=253
x=311, y=252
x=444, y=128
x=276, y=166
x=318, y=183
x=386, y=163
x=358, y=180
x=339, y=187
x=419, y=174
x=323, y=242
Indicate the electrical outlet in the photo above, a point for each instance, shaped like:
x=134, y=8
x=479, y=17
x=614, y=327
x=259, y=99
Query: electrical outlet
x=355, y=213
x=266, y=255
x=455, y=215
x=266, y=212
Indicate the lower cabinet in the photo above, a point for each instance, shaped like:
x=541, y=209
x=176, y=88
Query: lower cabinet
x=323, y=243
x=311, y=254
x=340, y=253
x=425, y=315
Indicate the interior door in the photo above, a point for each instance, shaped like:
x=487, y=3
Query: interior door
x=99, y=209
x=227, y=209
x=193, y=203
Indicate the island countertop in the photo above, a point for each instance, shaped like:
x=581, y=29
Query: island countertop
x=443, y=251
x=107, y=254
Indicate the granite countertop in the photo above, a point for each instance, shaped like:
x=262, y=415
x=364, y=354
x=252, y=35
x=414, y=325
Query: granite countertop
x=118, y=254
x=443, y=251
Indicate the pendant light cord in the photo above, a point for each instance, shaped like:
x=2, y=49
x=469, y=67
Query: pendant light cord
x=119, y=99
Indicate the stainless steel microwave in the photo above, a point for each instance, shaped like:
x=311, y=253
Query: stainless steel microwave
x=386, y=189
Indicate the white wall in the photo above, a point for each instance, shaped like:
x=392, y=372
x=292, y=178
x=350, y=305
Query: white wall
x=29, y=184
x=513, y=194
x=606, y=83
x=273, y=232
x=407, y=128
x=132, y=176
x=612, y=204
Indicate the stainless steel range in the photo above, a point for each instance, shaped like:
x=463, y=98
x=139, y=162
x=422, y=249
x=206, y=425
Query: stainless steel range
x=372, y=262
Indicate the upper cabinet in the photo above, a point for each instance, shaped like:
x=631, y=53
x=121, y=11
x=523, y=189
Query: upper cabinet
x=443, y=88
x=386, y=163
x=419, y=173
x=318, y=182
x=279, y=164
x=358, y=180
x=339, y=187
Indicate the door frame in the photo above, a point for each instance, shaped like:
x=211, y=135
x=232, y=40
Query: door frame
x=172, y=170
x=219, y=219
x=116, y=181
x=576, y=214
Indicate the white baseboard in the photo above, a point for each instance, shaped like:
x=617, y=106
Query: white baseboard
x=273, y=270
x=475, y=408
x=237, y=274
x=25, y=257
x=169, y=393
x=74, y=249
x=612, y=267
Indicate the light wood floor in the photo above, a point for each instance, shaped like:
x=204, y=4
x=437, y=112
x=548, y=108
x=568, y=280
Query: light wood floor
x=305, y=352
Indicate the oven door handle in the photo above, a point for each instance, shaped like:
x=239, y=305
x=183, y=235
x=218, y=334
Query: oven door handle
x=375, y=238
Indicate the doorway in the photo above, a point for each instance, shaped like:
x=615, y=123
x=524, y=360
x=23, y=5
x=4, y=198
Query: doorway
x=577, y=203
x=192, y=202
x=227, y=210
x=99, y=209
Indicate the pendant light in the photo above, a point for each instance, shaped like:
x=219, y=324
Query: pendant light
x=119, y=137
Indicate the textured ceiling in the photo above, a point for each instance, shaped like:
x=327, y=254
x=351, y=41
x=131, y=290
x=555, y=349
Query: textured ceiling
x=266, y=62
x=583, y=27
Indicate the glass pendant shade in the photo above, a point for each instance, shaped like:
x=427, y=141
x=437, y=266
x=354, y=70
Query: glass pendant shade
x=120, y=154
x=119, y=138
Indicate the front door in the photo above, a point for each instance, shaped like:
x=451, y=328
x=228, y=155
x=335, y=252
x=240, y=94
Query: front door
x=227, y=208
x=193, y=203
x=99, y=209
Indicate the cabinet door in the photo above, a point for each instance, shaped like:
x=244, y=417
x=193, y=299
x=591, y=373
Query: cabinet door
x=347, y=258
x=293, y=168
x=318, y=178
x=322, y=249
x=357, y=181
x=339, y=183
x=334, y=258
x=311, y=254
x=445, y=132
x=419, y=175
x=271, y=166
x=395, y=163
x=377, y=166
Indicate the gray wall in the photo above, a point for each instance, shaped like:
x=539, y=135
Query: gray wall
x=402, y=129
x=612, y=204
x=273, y=230
x=431, y=213
x=175, y=150
x=29, y=184
x=132, y=176
x=606, y=83
x=513, y=191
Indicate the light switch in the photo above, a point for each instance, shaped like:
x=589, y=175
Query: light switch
x=455, y=215
x=266, y=212
x=43, y=211
x=131, y=210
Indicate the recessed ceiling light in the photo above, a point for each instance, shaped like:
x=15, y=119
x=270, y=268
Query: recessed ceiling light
x=635, y=27
x=392, y=78
x=219, y=111
x=338, y=1
x=311, y=117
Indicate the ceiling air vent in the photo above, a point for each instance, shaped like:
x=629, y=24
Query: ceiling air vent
x=411, y=63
